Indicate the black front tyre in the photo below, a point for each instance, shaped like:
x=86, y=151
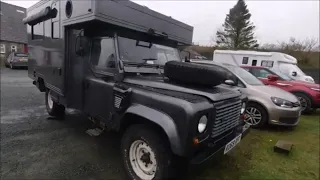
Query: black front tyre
x=53, y=108
x=146, y=155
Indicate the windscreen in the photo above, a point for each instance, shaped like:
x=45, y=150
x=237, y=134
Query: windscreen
x=287, y=68
x=157, y=54
x=245, y=75
x=281, y=75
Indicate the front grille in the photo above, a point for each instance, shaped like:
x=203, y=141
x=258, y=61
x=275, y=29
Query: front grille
x=227, y=117
x=117, y=101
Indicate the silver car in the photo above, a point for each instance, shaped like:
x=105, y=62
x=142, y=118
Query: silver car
x=267, y=104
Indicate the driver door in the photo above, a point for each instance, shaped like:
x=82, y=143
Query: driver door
x=99, y=80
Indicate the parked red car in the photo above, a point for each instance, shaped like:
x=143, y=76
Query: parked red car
x=308, y=93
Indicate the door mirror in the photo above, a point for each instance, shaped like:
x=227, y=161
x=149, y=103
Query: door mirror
x=230, y=82
x=272, y=77
x=294, y=73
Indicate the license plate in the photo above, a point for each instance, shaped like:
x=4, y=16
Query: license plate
x=23, y=60
x=232, y=144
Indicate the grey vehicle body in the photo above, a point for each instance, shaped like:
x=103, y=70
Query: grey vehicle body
x=15, y=60
x=262, y=94
x=107, y=58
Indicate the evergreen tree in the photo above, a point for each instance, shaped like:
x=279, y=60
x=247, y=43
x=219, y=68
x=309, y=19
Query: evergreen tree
x=238, y=31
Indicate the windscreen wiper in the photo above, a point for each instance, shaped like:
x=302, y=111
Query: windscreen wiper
x=149, y=59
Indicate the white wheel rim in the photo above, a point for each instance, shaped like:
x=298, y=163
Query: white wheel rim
x=50, y=102
x=142, y=159
x=253, y=116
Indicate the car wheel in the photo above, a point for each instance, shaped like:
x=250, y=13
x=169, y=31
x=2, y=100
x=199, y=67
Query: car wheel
x=305, y=103
x=53, y=108
x=256, y=115
x=145, y=154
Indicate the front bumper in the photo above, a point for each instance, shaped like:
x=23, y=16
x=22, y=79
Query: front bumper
x=20, y=64
x=284, y=116
x=210, y=148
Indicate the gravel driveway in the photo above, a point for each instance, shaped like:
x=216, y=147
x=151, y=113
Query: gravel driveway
x=33, y=146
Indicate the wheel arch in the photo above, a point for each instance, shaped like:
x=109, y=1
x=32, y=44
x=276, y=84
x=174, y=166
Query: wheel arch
x=260, y=104
x=140, y=114
x=40, y=84
x=303, y=92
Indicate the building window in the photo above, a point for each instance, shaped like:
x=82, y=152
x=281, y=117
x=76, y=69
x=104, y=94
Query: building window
x=265, y=63
x=2, y=48
x=245, y=60
x=37, y=31
x=13, y=48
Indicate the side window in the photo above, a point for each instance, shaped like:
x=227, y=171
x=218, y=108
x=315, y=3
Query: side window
x=240, y=84
x=37, y=31
x=103, y=53
x=265, y=63
x=245, y=60
x=254, y=62
x=55, y=22
x=55, y=30
x=47, y=28
x=262, y=73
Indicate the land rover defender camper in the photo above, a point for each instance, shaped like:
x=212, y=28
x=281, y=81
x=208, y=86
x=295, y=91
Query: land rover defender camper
x=119, y=63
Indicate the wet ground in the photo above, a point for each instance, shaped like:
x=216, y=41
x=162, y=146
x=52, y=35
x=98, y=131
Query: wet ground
x=33, y=146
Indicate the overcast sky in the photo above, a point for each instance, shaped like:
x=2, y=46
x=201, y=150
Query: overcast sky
x=275, y=20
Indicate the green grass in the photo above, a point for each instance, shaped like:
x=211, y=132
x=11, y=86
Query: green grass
x=254, y=157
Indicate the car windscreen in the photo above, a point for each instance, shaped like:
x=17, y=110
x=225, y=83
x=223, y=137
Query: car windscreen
x=281, y=75
x=245, y=76
x=287, y=68
x=131, y=51
x=20, y=55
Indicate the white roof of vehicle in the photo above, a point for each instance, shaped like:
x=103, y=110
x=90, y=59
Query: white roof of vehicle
x=275, y=55
x=243, y=52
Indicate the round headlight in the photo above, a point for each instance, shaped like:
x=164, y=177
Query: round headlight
x=243, y=108
x=202, y=124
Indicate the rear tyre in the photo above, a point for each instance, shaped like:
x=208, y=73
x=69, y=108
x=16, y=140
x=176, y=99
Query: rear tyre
x=256, y=115
x=53, y=108
x=305, y=103
x=146, y=155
